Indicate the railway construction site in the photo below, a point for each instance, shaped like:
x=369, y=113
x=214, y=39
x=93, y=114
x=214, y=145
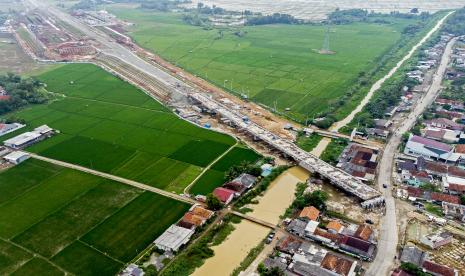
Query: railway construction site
x=177, y=90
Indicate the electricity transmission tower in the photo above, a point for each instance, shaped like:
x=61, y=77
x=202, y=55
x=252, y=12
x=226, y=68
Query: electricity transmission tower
x=326, y=42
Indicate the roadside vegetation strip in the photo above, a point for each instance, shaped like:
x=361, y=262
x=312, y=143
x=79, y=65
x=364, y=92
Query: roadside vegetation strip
x=115, y=221
x=259, y=188
x=262, y=67
x=377, y=85
x=248, y=260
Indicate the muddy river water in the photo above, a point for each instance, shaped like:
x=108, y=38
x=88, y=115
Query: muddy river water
x=230, y=253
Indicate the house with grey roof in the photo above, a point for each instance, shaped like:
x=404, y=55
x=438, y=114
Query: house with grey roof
x=412, y=254
x=430, y=149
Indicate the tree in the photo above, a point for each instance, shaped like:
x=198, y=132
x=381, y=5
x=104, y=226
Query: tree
x=413, y=269
x=429, y=187
x=213, y=203
x=316, y=198
x=274, y=271
x=462, y=199
x=243, y=167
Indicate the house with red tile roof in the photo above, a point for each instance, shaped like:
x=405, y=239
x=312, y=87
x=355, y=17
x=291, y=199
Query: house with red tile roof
x=453, y=185
x=338, y=265
x=439, y=270
x=224, y=195
x=193, y=219
x=310, y=213
x=444, y=123
x=353, y=245
x=359, y=161
x=5, y=97
x=364, y=232
x=334, y=227
x=200, y=211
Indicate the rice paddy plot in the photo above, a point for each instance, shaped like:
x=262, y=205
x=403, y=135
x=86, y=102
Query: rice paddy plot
x=271, y=63
x=108, y=125
x=66, y=221
x=215, y=176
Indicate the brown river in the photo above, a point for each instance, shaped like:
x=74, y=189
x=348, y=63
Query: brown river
x=230, y=253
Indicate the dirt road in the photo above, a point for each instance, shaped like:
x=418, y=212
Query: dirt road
x=115, y=178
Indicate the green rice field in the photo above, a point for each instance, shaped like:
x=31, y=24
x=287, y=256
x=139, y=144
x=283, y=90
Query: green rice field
x=55, y=220
x=110, y=126
x=214, y=177
x=271, y=63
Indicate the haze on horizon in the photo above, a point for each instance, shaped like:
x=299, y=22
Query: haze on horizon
x=318, y=9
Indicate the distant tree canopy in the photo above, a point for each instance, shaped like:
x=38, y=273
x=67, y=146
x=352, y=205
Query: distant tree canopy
x=276, y=18
x=21, y=91
x=160, y=5
x=340, y=17
x=3, y=17
x=456, y=23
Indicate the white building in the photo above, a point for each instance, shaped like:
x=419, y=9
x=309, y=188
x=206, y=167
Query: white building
x=16, y=157
x=28, y=138
x=453, y=185
x=7, y=128
x=132, y=270
x=311, y=227
x=173, y=238
x=430, y=149
x=437, y=240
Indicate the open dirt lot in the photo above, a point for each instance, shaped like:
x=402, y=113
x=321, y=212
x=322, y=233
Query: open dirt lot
x=13, y=58
x=318, y=9
x=452, y=255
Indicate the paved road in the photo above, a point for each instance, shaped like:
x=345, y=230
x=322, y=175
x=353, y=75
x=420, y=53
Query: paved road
x=115, y=178
x=387, y=244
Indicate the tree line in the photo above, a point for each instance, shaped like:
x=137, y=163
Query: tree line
x=22, y=91
x=456, y=23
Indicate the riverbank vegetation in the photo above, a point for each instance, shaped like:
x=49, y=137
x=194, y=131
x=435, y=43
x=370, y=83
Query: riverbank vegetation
x=302, y=199
x=196, y=253
x=261, y=187
x=248, y=260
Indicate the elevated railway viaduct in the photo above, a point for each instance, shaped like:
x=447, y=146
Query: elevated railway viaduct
x=162, y=85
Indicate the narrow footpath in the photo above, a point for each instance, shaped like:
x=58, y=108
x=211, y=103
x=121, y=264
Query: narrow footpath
x=115, y=178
